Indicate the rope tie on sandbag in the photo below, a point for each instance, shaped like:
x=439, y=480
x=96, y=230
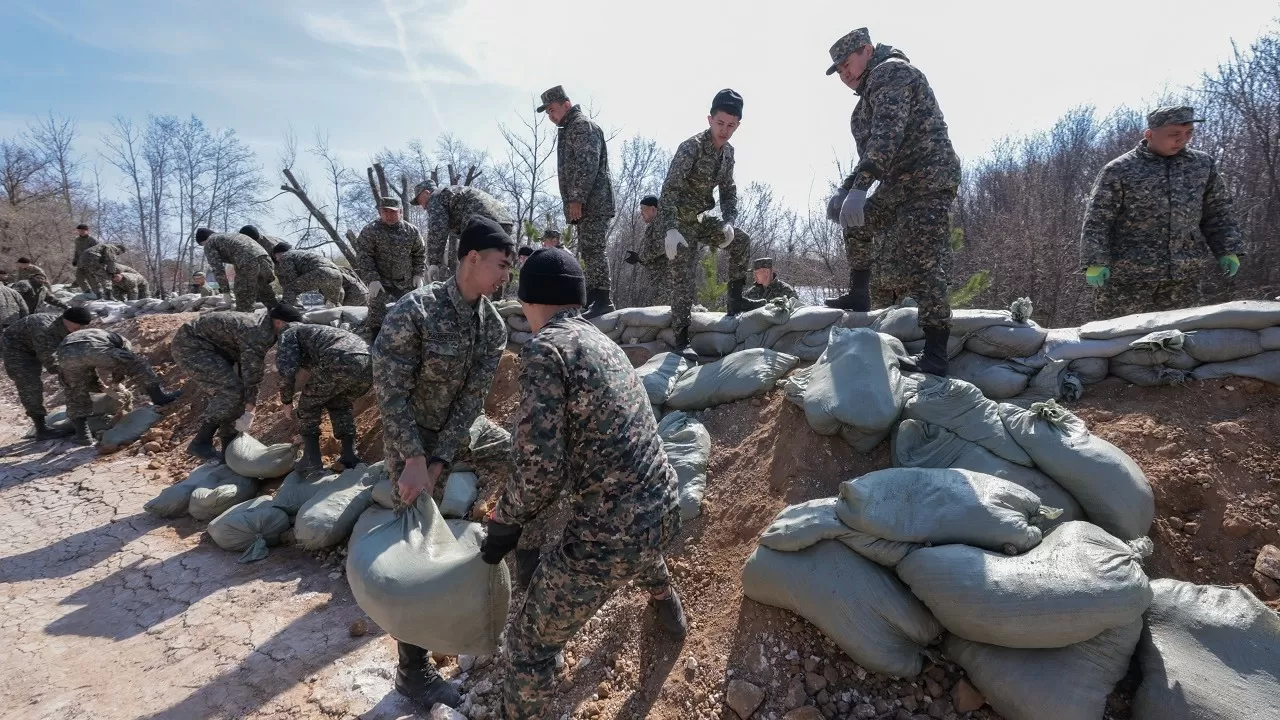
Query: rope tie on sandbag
x=256, y=551
x=1142, y=547
x=1020, y=309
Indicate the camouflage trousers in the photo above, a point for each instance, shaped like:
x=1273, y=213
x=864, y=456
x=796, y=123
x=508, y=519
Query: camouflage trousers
x=378, y=306
x=353, y=291
x=334, y=387
x=84, y=280
x=569, y=587
x=659, y=270
x=253, y=284
x=686, y=269
x=100, y=283
x=79, y=371
x=906, y=243
x=326, y=281
x=130, y=292
x=1120, y=298
x=215, y=375
x=24, y=370
x=592, y=232
x=489, y=451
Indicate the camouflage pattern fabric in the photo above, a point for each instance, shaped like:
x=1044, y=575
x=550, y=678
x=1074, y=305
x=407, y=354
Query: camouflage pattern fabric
x=1117, y=299
x=302, y=271
x=130, y=286
x=30, y=271
x=776, y=289
x=449, y=208
x=29, y=345
x=585, y=429
x=13, y=307
x=35, y=296
x=686, y=268
x=99, y=264
x=906, y=243
x=341, y=372
x=269, y=242
x=354, y=292
x=486, y=449
x=254, y=270
x=592, y=239
x=390, y=254
x=81, y=244
x=378, y=304
x=739, y=254
x=653, y=258
x=582, y=159
x=84, y=354
x=201, y=290
x=223, y=353
x=1158, y=218
x=696, y=169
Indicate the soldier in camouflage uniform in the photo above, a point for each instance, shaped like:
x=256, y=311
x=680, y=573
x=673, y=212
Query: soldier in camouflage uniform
x=652, y=257
x=198, y=286
x=254, y=270
x=354, y=292
x=584, y=428
x=582, y=159
x=433, y=365
x=223, y=353
x=390, y=259
x=903, y=142
x=99, y=263
x=85, y=353
x=29, y=345
x=551, y=238
x=4, y=277
x=268, y=242
x=448, y=209
x=26, y=269
x=767, y=285
x=35, y=291
x=340, y=372
x=1153, y=214
x=13, y=307
x=128, y=284
x=304, y=270
x=83, y=242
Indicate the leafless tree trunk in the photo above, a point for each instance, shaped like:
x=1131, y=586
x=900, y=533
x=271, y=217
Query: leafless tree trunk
x=296, y=189
x=55, y=138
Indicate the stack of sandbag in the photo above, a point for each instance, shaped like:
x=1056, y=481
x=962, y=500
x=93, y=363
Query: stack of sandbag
x=637, y=326
x=713, y=334
x=208, y=501
x=175, y=500
x=659, y=376
x=754, y=325
x=249, y=528
x=688, y=447
x=251, y=458
x=960, y=407
x=327, y=517
x=737, y=377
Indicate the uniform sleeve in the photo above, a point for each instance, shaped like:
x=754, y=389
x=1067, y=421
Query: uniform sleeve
x=417, y=252
x=54, y=301
x=469, y=405
x=541, y=458
x=728, y=191
x=111, y=266
x=651, y=247
x=214, y=258
x=889, y=90
x=366, y=266
x=288, y=360
x=252, y=358
x=584, y=161
x=1100, y=217
x=790, y=291
x=673, y=188
x=285, y=271
x=437, y=229
x=396, y=359
x=1217, y=222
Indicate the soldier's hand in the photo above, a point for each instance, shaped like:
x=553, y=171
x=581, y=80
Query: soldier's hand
x=574, y=211
x=1230, y=264
x=851, y=210
x=1097, y=275
x=245, y=422
x=375, y=289
x=418, y=477
x=632, y=258
x=673, y=241
x=728, y=235
x=417, y=281
x=835, y=203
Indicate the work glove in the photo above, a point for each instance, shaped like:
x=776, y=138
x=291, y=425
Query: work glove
x=835, y=203
x=1097, y=275
x=246, y=420
x=851, y=210
x=375, y=289
x=417, y=281
x=499, y=539
x=632, y=258
x=1230, y=264
x=728, y=235
x=433, y=273
x=673, y=241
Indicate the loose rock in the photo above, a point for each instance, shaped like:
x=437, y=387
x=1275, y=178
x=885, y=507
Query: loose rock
x=804, y=713
x=966, y=697
x=743, y=698
x=359, y=628
x=1268, y=562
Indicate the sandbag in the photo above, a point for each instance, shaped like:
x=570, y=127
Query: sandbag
x=1146, y=376
x=328, y=517
x=1269, y=338
x=300, y=486
x=1263, y=366
x=753, y=342
x=460, y=491
x=758, y=321
x=399, y=564
x=355, y=314
x=713, y=344
x=856, y=319
x=1212, y=346
x=1078, y=582
x=130, y=427
x=941, y=505
x=251, y=527
x=1007, y=341
x=1066, y=344
x=209, y=503
x=787, y=342
x=667, y=337
x=604, y=323
x=1107, y=483
x=1089, y=370
x=967, y=321
x=1070, y=683
x=384, y=493
x=507, y=308
x=955, y=346
x=806, y=524
x=1049, y=383
x=961, y=408
x=174, y=500
x=1207, y=653
x=805, y=319
x=639, y=334
x=327, y=316
x=688, y=447
x=702, y=322
x=736, y=377
x=900, y=322
x=997, y=379
x=251, y=458
x=519, y=323
x=861, y=606
x=657, y=317
x=1239, y=314
x=520, y=338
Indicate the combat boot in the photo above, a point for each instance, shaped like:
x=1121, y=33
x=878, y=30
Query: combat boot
x=81, y=434
x=737, y=303
x=226, y=438
x=311, y=458
x=418, y=680
x=160, y=398
x=202, y=444
x=934, y=358
x=671, y=613
x=859, y=296
x=598, y=303
x=44, y=432
x=526, y=563
x=682, y=346
x=349, y=458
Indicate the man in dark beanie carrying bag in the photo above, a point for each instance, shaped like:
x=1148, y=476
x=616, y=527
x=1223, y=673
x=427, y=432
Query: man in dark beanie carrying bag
x=585, y=428
x=29, y=345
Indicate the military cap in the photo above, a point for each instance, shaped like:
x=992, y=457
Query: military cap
x=251, y=231
x=427, y=184
x=481, y=233
x=649, y=200
x=550, y=234
x=78, y=315
x=82, y=226
x=727, y=101
x=202, y=234
x=848, y=45
x=281, y=247
x=525, y=251
x=24, y=261
x=1172, y=115
x=195, y=275
x=762, y=264
x=554, y=95
x=389, y=202
x=285, y=313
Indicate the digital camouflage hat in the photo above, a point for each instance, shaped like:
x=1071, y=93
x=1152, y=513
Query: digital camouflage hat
x=427, y=184
x=550, y=234
x=1172, y=115
x=554, y=95
x=847, y=46
x=389, y=202
x=762, y=264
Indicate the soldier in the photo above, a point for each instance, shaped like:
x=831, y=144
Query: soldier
x=903, y=142
x=448, y=209
x=29, y=345
x=198, y=286
x=390, y=259
x=4, y=277
x=767, y=285
x=702, y=163
x=85, y=353
x=340, y=372
x=584, y=428
x=268, y=242
x=304, y=270
x=354, y=292
x=551, y=238
x=652, y=255
x=582, y=159
x=254, y=269
x=26, y=269
x=433, y=364
x=1152, y=214
x=13, y=307
x=35, y=291
x=99, y=263
x=223, y=353
x=128, y=284
x=83, y=242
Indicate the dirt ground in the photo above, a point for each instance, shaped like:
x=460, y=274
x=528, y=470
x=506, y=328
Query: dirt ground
x=108, y=612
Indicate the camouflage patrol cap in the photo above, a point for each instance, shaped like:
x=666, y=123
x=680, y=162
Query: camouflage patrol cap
x=848, y=45
x=389, y=202
x=554, y=95
x=1172, y=115
x=195, y=275
x=550, y=234
x=762, y=264
x=418, y=189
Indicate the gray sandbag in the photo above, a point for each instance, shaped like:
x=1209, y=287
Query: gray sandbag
x=900, y=322
x=1212, y=346
x=326, y=519
x=129, y=429
x=853, y=319
x=955, y=346
x=938, y=506
x=701, y=322
x=208, y=503
x=520, y=338
x=252, y=459
x=965, y=321
x=400, y=563
x=1269, y=338
x=1239, y=314
x=997, y=379
x=753, y=342
x=639, y=334
x=1078, y=582
x=174, y=500
x=667, y=337
x=1263, y=366
x=249, y=528
x=298, y=487
x=1089, y=370
x=354, y=314
x=1007, y=341
x=861, y=606
x=1049, y=383
x=713, y=344
x=787, y=342
x=382, y=488
x=806, y=524
x=659, y=375
x=507, y=308
x=758, y=321
x=327, y=316
x=806, y=320
x=604, y=323
x=736, y=377
x=1144, y=357
x=460, y=491
x=1069, y=683
x=1066, y=344
x=519, y=323
x=1107, y=483
x=688, y=447
x=961, y=408
x=1145, y=375
x=1207, y=653
x=658, y=316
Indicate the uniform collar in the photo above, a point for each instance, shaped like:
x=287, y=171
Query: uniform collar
x=566, y=314
x=708, y=146
x=460, y=304
x=1144, y=151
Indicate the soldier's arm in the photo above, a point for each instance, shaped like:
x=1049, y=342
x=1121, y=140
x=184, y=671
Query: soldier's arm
x=214, y=259
x=584, y=162
x=541, y=458
x=673, y=187
x=54, y=301
x=469, y=403
x=112, y=267
x=288, y=360
x=366, y=266
x=397, y=356
x=437, y=230
x=253, y=356
x=417, y=252
x=1217, y=222
x=728, y=191
x=889, y=90
x=1100, y=218
x=790, y=291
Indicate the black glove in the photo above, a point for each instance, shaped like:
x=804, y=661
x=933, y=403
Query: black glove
x=632, y=258
x=499, y=540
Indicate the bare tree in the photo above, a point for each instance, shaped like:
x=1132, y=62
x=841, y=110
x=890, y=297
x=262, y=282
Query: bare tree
x=524, y=176
x=20, y=172
x=55, y=138
x=640, y=171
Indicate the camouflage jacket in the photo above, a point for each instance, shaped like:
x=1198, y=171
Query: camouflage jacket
x=36, y=335
x=697, y=168
x=652, y=247
x=35, y=297
x=320, y=349
x=585, y=427
x=131, y=284
x=201, y=290
x=775, y=289
x=296, y=263
x=101, y=258
x=583, y=161
x=88, y=341
x=240, y=337
x=447, y=210
x=12, y=306
x=391, y=254
x=898, y=127
x=234, y=249
x=31, y=271
x=269, y=242
x=433, y=365
x=1152, y=217
x=82, y=244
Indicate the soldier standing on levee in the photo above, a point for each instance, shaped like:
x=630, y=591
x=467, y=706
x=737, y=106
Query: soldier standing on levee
x=433, y=365
x=582, y=161
x=254, y=270
x=652, y=255
x=584, y=429
x=224, y=353
x=35, y=292
x=29, y=345
x=767, y=285
x=905, y=227
x=390, y=259
x=340, y=372
x=83, y=242
x=85, y=353
x=128, y=284
x=448, y=209
x=1152, y=214
x=198, y=286
x=99, y=263
x=301, y=271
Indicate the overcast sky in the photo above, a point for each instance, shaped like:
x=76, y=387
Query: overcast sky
x=377, y=73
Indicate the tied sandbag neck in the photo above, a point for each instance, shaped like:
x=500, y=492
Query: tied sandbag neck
x=256, y=551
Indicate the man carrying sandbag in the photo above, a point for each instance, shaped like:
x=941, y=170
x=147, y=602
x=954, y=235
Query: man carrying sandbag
x=341, y=372
x=433, y=365
x=82, y=355
x=254, y=269
x=29, y=346
x=585, y=425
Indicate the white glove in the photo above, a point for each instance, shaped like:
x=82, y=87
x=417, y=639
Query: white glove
x=851, y=211
x=673, y=241
x=246, y=421
x=728, y=235
x=433, y=273
x=417, y=281
x=375, y=289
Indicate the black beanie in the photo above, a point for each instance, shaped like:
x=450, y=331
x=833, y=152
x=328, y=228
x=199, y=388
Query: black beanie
x=482, y=233
x=552, y=276
x=202, y=234
x=251, y=231
x=24, y=261
x=82, y=226
x=78, y=315
x=727, y=101
x=649, y=200
x=281, y=247
x=287, y=313
x=525, y=251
